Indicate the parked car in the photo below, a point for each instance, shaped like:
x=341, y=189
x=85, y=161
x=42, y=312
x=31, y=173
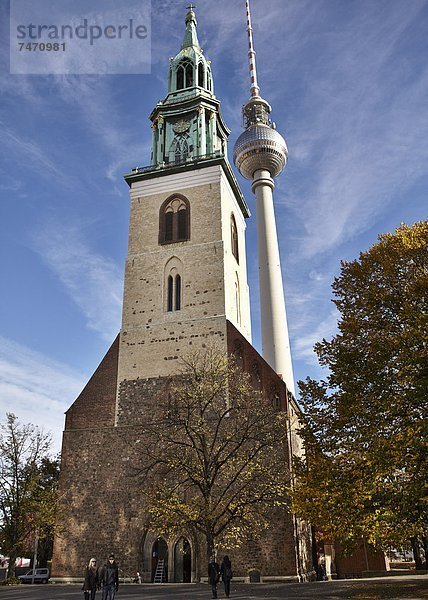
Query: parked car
x=40, y=576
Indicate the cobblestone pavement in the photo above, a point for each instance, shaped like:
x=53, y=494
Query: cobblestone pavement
x=386, y=588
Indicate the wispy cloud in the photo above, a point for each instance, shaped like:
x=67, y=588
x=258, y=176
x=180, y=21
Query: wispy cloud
x=349, y=93
x=352, y=106
x=364, y=139
x=303, y=346
x=31, y=155
x=94, y=282
x=98, y=111
x=99, y=108
x=35, y=388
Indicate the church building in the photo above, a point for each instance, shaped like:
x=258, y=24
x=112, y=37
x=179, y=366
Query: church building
x=185, y=287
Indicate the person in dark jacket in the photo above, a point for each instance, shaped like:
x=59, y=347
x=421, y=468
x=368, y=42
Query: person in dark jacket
x=90, y=583
x=226, y=574
x=213, y=575
x=109, y=578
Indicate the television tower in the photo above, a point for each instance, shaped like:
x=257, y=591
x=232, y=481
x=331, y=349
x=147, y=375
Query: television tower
x=260, y=154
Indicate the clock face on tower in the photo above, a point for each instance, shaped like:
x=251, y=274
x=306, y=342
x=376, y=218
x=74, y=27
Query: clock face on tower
x=181, y=126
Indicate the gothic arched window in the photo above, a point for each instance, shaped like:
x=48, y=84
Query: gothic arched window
x=238, y=353
x=174, y=220
x=179, y=149
x=173, y=288
x=256, y=378
x=234, y=238
x=274, y=397
x=184, y=74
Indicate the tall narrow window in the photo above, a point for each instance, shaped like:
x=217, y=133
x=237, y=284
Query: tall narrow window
x=274, y=397
x=234, y=238
x=174, y=220
x=201, y=75
x=238, y=353
x=182, y=223
x=189, y=74
x=237, y=300
x=170, y=293
x=180, y=78
x=173, y=284
x=177, y=292
x=256, y=379
x=169, y=226
x=184, y=149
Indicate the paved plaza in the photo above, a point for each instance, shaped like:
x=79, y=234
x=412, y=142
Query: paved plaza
x=411, y=587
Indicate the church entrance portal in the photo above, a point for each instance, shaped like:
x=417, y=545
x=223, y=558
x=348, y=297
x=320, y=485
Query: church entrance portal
x=182, y=561
x=160, y=561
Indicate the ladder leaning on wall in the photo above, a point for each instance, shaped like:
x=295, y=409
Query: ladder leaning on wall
x=160, y=572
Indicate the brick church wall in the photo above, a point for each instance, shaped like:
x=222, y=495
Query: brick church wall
x=97, y=401
x=251, y=362
x=104, y=511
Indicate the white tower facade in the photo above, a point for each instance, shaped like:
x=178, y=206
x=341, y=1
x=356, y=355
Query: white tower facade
x=260, y=154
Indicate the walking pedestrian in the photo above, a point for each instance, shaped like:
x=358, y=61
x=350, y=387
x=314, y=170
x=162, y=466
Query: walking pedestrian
x=90, y=583
x=109, y=578
x=213, y=575
x=226, y=574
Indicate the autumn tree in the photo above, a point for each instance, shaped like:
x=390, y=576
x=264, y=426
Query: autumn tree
x=365, y=425
x=213, y=454
x=28, y=488
x=47, y=496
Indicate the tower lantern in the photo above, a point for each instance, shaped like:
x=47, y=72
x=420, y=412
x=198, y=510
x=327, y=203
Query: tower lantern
x=260, y=154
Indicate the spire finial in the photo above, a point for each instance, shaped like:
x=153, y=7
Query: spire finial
x=191, y=12
x=255, y=90
x=190, y=37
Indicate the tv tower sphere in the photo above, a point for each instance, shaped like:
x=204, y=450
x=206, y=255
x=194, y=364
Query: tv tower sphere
x=260, y=146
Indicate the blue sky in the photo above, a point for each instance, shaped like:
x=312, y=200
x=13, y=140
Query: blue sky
x=348, y=82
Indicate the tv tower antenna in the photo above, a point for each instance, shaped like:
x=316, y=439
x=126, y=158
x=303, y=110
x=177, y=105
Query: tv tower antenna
x=260, y=154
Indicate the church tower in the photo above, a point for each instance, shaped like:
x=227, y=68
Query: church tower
x=185, y=288
x=186, y=267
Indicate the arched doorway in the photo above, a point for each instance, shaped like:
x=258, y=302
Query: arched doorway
x=160, y=561
x=182, y=561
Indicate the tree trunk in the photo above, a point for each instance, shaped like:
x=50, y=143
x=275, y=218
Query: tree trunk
x=210, y=544
x=314, y=549
x=425, y=547
x=11, y=567
x=417, y=553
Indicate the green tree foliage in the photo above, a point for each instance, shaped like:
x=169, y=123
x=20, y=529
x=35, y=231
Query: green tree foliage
x=365, y=426
x=213, y=454
x=28, y=488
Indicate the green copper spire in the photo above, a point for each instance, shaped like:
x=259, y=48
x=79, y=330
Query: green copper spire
x=187, y=124
x=188, y=130
x=191, y=36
